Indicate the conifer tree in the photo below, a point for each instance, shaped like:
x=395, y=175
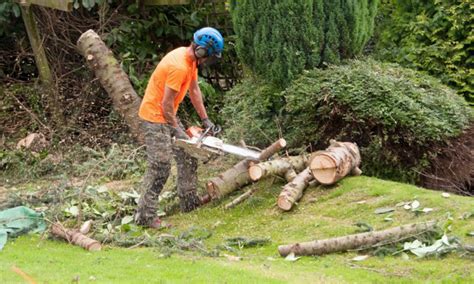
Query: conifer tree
x=277, y=39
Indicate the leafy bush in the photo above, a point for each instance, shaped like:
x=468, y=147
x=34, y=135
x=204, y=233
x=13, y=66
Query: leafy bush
x=278, y=39
x=435, y=36
x=213, y=100
x=397, y=116
x=9, y=11
x=251, y=112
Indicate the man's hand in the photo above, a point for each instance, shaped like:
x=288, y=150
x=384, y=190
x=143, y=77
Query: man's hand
x=208, y=124
x=180, y=134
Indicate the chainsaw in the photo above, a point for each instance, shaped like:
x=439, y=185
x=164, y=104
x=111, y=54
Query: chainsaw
x=202, y=144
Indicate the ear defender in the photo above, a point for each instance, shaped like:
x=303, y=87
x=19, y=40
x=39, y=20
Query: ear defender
x=200, y=51
x=209, y=42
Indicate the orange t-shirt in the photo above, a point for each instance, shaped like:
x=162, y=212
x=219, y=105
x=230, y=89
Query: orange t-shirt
x=176, y=70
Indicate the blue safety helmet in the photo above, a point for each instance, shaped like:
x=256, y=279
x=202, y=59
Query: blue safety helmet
x=210, y=40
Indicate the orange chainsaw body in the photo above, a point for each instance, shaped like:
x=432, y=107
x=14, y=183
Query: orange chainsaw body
x=194, y=131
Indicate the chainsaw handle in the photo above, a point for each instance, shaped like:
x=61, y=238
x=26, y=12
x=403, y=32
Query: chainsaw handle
x=216, y=129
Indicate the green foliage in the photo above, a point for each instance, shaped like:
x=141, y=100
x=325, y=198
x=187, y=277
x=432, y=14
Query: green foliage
x=435, y=36
x=9, y=10
x=140, y=42
x=395, y=115
x=213, y=101
x=251, y=112
x=278, y=39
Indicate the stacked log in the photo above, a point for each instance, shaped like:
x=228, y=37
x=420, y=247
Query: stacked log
x=293, y=191
x=238, y=176
x=323, y=167
x=334, y=163
x=285, y=167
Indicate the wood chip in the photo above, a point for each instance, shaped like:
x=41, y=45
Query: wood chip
x=384, y=210
x=445, y=195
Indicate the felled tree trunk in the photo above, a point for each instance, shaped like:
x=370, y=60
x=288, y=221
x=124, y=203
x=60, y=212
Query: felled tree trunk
x=356, y=241
x=238, y=176
x=285, y=167
x=114, y=80
x=334, y=163
x=75, y=237
x=293, y=191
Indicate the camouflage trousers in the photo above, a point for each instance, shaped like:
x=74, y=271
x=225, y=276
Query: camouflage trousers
x=160, y=150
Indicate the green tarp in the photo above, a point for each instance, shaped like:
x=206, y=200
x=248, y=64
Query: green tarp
x=19, y=220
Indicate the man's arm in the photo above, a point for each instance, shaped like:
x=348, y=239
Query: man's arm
x=196, y=99
x=168, y=101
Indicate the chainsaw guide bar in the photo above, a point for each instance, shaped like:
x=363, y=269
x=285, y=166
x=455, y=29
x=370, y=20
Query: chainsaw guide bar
x=204, y=147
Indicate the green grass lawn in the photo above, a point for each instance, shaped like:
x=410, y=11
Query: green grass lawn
x=323, y=212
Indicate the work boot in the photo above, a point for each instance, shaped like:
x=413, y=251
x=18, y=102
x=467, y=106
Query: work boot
x=154, y=223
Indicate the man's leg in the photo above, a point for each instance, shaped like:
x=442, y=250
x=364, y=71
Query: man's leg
x=187, y=180
x=159, y=153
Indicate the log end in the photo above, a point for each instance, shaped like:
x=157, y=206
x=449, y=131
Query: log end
x=87, y=34
x=285, y=250
x=284, y=203
x=95, y=246
x=323, y=169
x=255, y=172
x=212, y=190
x=282, y=143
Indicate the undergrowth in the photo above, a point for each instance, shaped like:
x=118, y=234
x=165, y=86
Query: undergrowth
x=115, y=162
x=400, y=118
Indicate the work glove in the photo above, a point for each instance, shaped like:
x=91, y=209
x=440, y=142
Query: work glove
x=180, y=134
x=207, y=123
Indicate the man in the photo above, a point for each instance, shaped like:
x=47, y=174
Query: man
x=174, y=75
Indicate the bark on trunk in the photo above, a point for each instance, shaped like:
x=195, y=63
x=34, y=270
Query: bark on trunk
x=75, y=237
x=337, y=161
x=113, y=79
x=281, y=167
x=293, y=191
x=238, y=176
x=356, y=241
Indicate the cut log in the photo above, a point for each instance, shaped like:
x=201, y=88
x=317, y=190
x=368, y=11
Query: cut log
x=238, y=176
x=357, y=241
x=75, y=237
x=338, y=160
x=272, y=149
x=293, y=191
x=114, y=80
x=285, y=167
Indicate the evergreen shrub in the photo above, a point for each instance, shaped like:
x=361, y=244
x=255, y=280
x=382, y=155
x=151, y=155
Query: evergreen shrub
x=434, y=36
x=397, y=116
x=252, y=110
x=279, y=39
